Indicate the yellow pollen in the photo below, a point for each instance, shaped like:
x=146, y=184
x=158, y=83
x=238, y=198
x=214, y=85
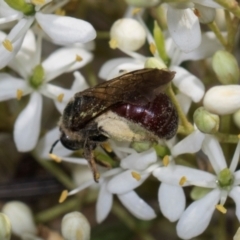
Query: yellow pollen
x=135, y=11
x=238, y=136
x=136, y=175
x=182, y=181
x=221, y=208
x=60, y=97
x=19, y=94
x=78, y=58
x=60, y=12
x=152, y=48
x=63, y=196
x=8, y=45
x=55, y=158
x=38, y=2
x=107, y=147
x=166, y=161
x=113, y=43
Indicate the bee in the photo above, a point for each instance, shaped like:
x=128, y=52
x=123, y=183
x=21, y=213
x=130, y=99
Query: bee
x=131, y=107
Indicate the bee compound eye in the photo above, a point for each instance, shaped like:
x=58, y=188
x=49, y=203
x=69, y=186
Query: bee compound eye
x=69, y=143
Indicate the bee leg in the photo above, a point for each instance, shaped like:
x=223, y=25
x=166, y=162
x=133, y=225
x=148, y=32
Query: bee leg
x=89, y=155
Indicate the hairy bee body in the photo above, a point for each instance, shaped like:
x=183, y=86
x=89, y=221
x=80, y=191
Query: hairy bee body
x=132, y=107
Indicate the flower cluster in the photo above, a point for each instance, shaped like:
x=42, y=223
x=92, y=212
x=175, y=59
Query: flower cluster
x=183, y=38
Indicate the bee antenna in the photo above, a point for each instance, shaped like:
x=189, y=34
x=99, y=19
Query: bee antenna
x=54, y=144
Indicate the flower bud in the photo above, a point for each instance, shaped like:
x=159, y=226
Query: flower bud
x=226, y=67
x=5, y=227
x=20, y=217
x=154, y=63
x=128, y=34
x=222, y=100
x=22, y=6
x=206, y=121
x=236, y=118
x=75, y=226
x=143, y=3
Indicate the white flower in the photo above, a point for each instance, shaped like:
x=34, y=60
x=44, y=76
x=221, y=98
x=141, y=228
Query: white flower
x=60, y=29
x=133, y=171
x=127, y=33
x=5, y=227
x=21, y=218
x=222, y=99
x=75, y=226
x=183, y=22
x=35, y=81
x=197, y=216
x=188, y=84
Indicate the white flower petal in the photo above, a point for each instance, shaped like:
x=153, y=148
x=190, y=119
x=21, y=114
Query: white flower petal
x=79, y=83
x=172, y=201
x=135, y=205
x=222, y=99
x=197, y=216
x=53, y=91
x=184, y=101
x=28, y=124
x=235, y=158
x=45, y=143
x=65, y=30
x=235, y=195
x=208, y=3
x=125, y=182
x=104, y=203
x=188, y=84
x=206, y=14
x=172, y=174
x=190, y=144
x=213, y=150
x=22, y=63
x=9, y=86
x=64, y=60
x=6, y=56
x=112, y=68
x=184, y=28
x=6, y=11
x=139, y=161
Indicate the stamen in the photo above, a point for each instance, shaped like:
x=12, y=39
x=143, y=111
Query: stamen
x=8, y=45
x=136, y=175
x=113, y=43
x=55, y=158
x=19, y=94
x=107, y=147
x=182, y=181
x=135, y=11
x=152, y=48
x=63, y=196
x=38, y=2
x=60, y=12
x=166, y=161
x=197, y=13
x=60, y=97
x=78, y=58
x=221, y=208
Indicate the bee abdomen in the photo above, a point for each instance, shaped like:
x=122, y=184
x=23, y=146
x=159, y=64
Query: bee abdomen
x=158, y=116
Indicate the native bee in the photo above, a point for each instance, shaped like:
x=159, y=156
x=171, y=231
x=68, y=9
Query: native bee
x=131, y=107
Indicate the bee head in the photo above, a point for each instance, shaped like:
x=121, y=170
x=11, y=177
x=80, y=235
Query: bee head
x=71, y=144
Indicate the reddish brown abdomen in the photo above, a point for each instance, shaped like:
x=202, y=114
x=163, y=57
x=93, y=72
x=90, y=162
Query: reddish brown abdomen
x=159, y=116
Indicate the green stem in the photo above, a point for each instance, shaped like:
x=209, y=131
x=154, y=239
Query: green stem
x=57, y=172
x=188, y=127
x=56, y=211
x=226, y=138
x=230, y=5
x=213, y=26
x=103, y=35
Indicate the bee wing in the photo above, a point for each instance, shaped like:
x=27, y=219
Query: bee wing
x=137, y=87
